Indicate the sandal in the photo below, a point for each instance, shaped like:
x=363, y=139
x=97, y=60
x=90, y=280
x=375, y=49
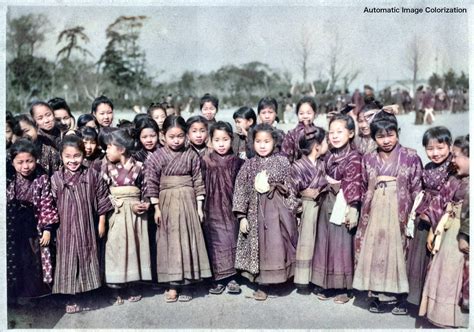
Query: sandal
x=342, y=298
x=134, y=298
x=217, y=289
x=185, y=298
x=169, y=298
x=378, y=307
x=400, y=309
x=324, y=295
x=260, y=295
x=73, y=308
x=118, y=301
x=233, y=287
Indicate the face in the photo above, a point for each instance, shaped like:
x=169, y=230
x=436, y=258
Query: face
x=339, y=135
x=8, y=133
x=197, y=134
x=174, y=138
x=63, y=117
x=72, y=158
x=104, y=115
x=241, y=123
x=461, y=161
x=208, y=111
x=267, y=115
x=386, y=140
x=114, y=153
x=363, y=125
x=221, y=142
x=159, y=115
x=263, y=143
x=91, y=124
x=90, y=146
x=44, y=117
x=148, y=138
x=437, y=152
x=306, y=114
x=24, y=163
x=29, y=130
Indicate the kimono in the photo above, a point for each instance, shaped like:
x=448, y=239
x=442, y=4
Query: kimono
x=127, y=250
x=30, y=212
x=54, y=135
x=464, y=233
x=290, y=146
x=381, y=243
x=49, y=157
x=306, y=174
x=95, y=161
x=267, y=253
x=142, y=155
x=220, y=225
x=333, y=258
x=239, y=145
x=365, y=144
x=175, y=178
x=434, y=177
x=81, y=197
x=440, y=300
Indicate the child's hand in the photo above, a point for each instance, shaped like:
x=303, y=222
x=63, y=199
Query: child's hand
x=244, y=226
x=139, y=208
x=243, y=132
x=44, y=241
x=199, y=211
x=429, y=240
x=101, y=229
x=157, y=216
x=463, y=246
x=310, y=193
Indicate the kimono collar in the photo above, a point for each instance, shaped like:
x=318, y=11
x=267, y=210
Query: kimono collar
x=340, y=153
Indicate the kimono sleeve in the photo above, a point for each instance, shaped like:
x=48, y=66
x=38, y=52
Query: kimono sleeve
x=288, y=146
x=352, y=179
x=364, y=183
x=46, y=208
x=104, y=204
x=198, y=183
x=416, y=175
x=152, y=176
x=241, y=199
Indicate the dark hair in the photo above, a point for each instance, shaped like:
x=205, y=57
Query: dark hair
x=439, y=133
x=306, y=100
x=73, y=141
x=145, y=123
x=156, y=106
x=139, y=117
x=122, y=138
x=462, y=142
x=89, y=134
x=101, y=100
x=25, y=118
x=59, y=103
x=315, y=136
x=383, y=121
x=372, y=105
x=39, y=103
x=83, y=119
x=103, y=137
x=10, y=120
x=267, y=128
x=208, y=98
x=267, y=102
x=196, y=119
x=224, y=126
x=123, y=123
x=246, y=113
x=173, y=121
x=23, y=145
x=350, y=124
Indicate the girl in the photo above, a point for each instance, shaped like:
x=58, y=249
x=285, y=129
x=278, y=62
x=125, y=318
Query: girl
x=267, y=112
x=245, y=120
x=442, y=291
x=127, y=251
x=220, y=225
x=81, y=196
x=63, y=115
x=43, y=116
x=86, y=120
x=176, y=189
x=437, y=142
x=93, y=156
x=197, y=132
x=363, y=141
x=158, y=113
x=48, y=156
x=103, y=111
x=209, y=106
x=31, y=217
x=309, y=181
x=391, y=179
x=333, y=263
x=265, y=207
x=306, y=112
x=147, y=133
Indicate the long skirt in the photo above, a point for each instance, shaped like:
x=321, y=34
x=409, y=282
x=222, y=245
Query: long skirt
x=306, y=241
x=417, y=263
x=441, y=294
x=181, y=250
x=381, y=267
x=127, y=251
x=333, y=258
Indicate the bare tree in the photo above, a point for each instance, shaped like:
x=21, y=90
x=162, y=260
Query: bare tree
x=413, y=60
x=304, y=53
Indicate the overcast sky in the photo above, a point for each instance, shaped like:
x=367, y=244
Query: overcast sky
x=203, y=38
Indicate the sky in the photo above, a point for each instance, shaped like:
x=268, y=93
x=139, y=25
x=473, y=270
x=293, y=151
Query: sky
x=186, y=36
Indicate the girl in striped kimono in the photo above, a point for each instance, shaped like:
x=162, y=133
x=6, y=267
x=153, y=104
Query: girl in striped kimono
x=309, y=181
x=176, y=189
x=82, y=199
x=147, y=137
x=127, y=250
x=93, y=157
x=31, y=217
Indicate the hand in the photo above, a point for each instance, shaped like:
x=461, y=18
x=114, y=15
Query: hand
x=157, y=215
x=140, y=208
x=352, y=217
x=463, y=246
x=424, y=217
x=101, y=228
x=310, y=193
x=243, y=131
x=244, y=226
x=200, y=213
x=44, y=241
x=429, y=240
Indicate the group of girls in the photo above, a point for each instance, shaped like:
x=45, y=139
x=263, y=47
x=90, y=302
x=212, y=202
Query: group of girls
x=177, y=201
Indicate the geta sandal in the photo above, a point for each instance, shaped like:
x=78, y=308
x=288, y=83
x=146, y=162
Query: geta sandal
x=233, y=287
x=217, y=289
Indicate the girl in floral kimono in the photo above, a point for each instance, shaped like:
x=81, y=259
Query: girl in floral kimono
x=31, y=217
x=442, y=293
x=306, y=112
x=176, y=189
x=127, y=250
x=391, y=179
x=265, y=206
x=333, y=259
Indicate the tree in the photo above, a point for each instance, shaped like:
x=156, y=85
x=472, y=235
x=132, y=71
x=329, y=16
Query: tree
x=435, y=81
x=305, y=51
x=449, y=79
x=72, y=37
x=25, y=34
x=414, y=60
x=463, y=81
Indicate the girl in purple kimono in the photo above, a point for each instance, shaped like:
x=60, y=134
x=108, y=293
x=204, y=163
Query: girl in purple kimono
x=93, y=157
x=245, y=120
x=220, y=225
x=333, y=259
x=198, y=132
x=363, y=141
x=31, y=217
x=265, y=206
x=147, y=137
x=267, y=113
x=306, y=112
x=391, y=179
